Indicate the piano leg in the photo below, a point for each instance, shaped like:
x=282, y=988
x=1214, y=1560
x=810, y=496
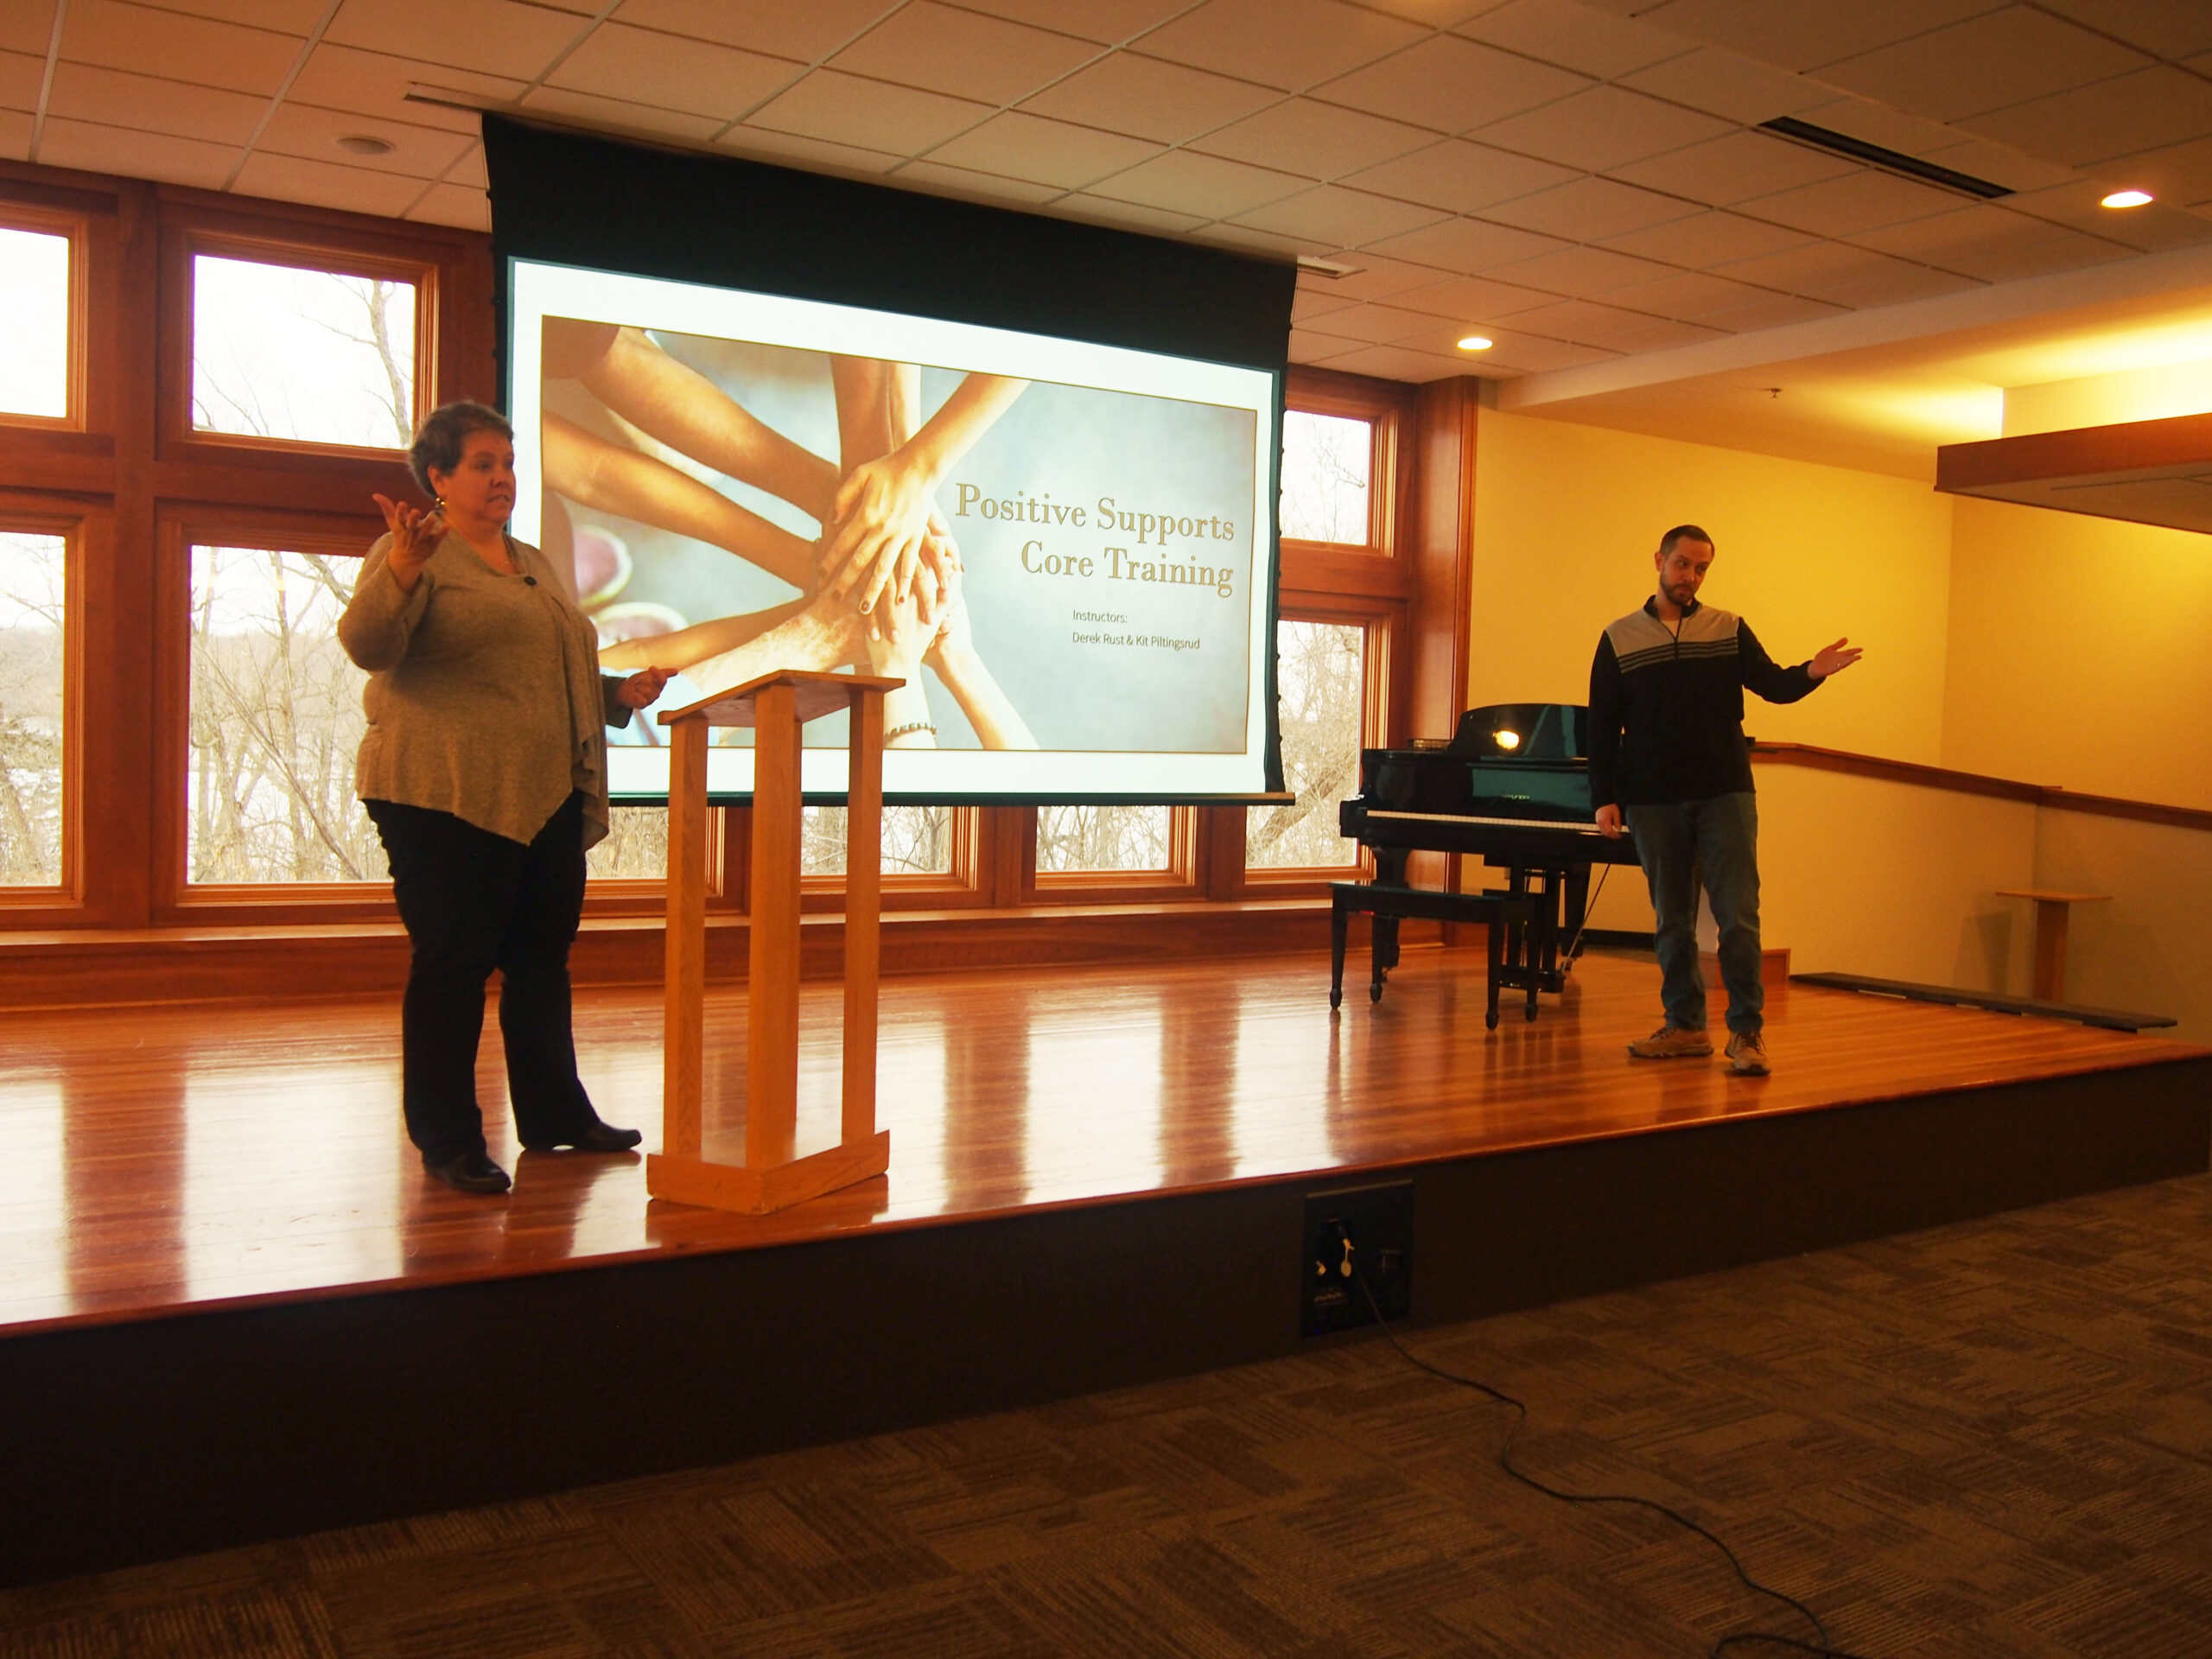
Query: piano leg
x=1339, y=920
x=1497, y=932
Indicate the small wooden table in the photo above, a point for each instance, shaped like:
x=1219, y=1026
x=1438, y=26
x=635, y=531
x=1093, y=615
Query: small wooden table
x=772, y=1176
x=2051, y=914
x=1501, y=913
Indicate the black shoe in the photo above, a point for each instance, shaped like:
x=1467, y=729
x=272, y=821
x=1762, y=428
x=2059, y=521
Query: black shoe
x=470, y=1172
x=601, y=1137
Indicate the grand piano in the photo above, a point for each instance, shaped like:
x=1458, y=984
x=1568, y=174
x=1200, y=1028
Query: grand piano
x=1512, y=788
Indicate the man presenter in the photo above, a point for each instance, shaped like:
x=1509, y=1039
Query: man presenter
x=1668, y=757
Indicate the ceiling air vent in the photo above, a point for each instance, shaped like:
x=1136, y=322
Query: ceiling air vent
x=1843, y=143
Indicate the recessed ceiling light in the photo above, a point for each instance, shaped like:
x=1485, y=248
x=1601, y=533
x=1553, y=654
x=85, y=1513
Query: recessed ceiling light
x=1476, y=343
x=363, y=143
x=2128, y=199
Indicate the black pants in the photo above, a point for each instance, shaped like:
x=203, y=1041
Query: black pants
x=473, y=901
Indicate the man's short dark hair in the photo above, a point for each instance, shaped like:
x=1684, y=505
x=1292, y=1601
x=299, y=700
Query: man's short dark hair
x=444, y=432
x=1681, y=533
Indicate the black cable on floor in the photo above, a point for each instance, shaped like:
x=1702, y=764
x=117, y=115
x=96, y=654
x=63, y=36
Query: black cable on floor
x=1824, y=1647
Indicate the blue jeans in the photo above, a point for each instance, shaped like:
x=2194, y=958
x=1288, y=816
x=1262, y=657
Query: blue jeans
x=1715, y=841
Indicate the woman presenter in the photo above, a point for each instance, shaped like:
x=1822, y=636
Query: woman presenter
x=485, y=771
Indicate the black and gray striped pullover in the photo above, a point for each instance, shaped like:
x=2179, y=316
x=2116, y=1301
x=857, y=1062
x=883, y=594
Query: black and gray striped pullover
x=1667, y=706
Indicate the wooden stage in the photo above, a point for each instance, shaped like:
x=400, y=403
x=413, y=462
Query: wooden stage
x=210, y=1225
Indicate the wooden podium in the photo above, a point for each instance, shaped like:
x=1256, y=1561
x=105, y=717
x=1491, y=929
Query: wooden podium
x=772, y=1177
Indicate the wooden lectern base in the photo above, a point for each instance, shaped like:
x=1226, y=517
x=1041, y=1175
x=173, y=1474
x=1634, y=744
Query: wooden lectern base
x=763, y=1192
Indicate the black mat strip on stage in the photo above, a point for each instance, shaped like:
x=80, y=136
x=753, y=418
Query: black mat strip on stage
x=1995, y=1002
x=139, y=1441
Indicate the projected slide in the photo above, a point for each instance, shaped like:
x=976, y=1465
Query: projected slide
x=1063, y=547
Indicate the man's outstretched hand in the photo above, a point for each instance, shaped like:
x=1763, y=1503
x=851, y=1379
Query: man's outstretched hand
x=1831, y=660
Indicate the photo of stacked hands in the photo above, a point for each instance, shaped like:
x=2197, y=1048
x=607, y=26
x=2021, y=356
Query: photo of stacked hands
x=879, y=589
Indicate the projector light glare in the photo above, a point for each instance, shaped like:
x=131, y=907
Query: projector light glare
x=1507, y=740
x=2128, y=198
x=1475, y=343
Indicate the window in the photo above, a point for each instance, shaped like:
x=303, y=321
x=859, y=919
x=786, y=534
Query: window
x=1321, y=697
x=301, y=356
x=275, y=721
x=1327, y=463
x=35, y=344
x=1070, y=838
x=917, y=841
x=636, y=846
x=31, y=642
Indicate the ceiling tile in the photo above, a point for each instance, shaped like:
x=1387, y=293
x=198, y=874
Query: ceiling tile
x=1729, y=85
x=1859, y=117
x=1985, y=158
x=498, y=37
x=376, y=83
x=1394, y=362
x=2143, y=111
x=1145, y=98
x=1129, y=215
x=291, y=17
x=1946, y=238
x=469, y=170
x=2155, y=227
x=27, y=28
x=620, y=115
x=1897, y=286
x=1107, y=21
x=21, y=77
x=1691, y=295
x=1245, y=239
x=1461, y=177
x=1205, y=185
x=2179, y=175
x=1804, y=36
x=1736, y=169
x=1467, y=245
x=971, y=185
x=1451, y=85
x=1859, y=201
x=1579, y=271
x=326, y=184
x=2070, y=251
x=1984, y=63
x=1317, y=140
x=1338, y=218
x=1375, y=324
x=1474, y=299
x=92, y=148
x=1813, y=270
x=842, y=109
x=1710, y=238
x=1603, y=127
x=1019, y=146
x=1575, y=37
x=1375, y=277
x=1658, y=336
x=807, y=34
x=197, y=50
x=1307, y=303
x=1591, y=209
x=945, y=50
x=452, y=204
x=1538, y=354
x=1290, y=44
x=1776, y=311
x=689, y=76
x=1584, y=322
x=152, y=105
x=815, y=155
x=1315, y=348
x=2164, y=28
x=416, y=152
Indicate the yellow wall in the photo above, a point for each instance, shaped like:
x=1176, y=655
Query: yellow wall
x=2080, y=653
x=1566, y=520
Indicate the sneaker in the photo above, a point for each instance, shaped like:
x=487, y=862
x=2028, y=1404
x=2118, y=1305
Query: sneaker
x=1673, y=1043
x=1747, y=1054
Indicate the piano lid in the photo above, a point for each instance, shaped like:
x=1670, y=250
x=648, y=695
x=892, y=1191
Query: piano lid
x=1523, y=731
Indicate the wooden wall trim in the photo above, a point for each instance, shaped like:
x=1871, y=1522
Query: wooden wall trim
x=2126, y=446
x=1973, y=783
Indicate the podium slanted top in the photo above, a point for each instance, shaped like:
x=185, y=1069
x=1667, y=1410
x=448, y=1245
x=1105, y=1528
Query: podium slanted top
x=814, y=695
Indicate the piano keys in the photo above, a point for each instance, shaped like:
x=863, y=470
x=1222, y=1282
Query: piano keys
x=1511, y=788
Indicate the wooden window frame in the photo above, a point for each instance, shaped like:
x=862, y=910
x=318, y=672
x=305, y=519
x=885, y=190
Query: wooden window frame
x=961, y=886
x=75, y=227
x=79, y=529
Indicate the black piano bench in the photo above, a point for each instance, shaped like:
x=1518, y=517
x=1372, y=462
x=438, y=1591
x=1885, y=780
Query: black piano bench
x=1496, y=911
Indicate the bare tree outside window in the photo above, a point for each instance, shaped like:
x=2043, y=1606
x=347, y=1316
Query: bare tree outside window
x=31, y=636
x=1321, y=685
x=1101, y=838
x=917, y=841
x=35, y=344
x=310, y=356
x=1326, y=459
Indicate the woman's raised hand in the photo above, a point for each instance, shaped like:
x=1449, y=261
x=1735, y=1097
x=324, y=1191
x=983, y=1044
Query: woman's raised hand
x=414, y=537
x=643, y=689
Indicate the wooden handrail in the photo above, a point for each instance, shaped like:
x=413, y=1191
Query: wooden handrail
x=1974, y=783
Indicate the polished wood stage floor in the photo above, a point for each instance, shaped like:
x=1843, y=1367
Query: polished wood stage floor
x=161, y=1159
